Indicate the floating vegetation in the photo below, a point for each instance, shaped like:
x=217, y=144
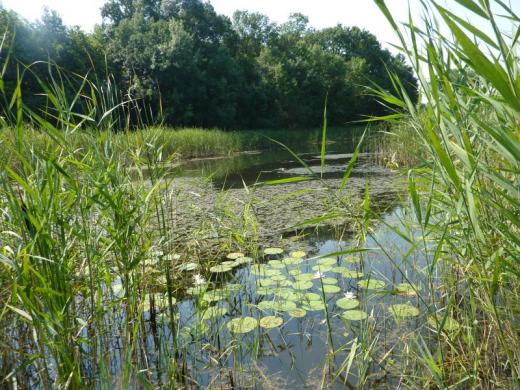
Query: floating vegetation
x=284, y=306
x=352, y=274
x=331, y=289
x=235, y=255
x=403, y=310
x=297, y=313
x=310, y=296
x=298, y=254
x=292, y=261
x=347, y=304
x=266, y=282
x=188, y=267
x=278, y=278
x=322, y=268
x=303, y=277
x=220, y=269
x=450, y=324
x=242, y=325
x=302, y=285
x=196, y=290
x=270, y=322
x=276, y=264
x=371, y=284
x=215, y=295
x=229, y=263
x=352, y=259
x=273, y=251
x=243, y=260
x=265, y=305
x=326, y=261
x=407, y=289
x=214, y=312
x=329, y=281
x=264, y=291
x=313, y=306
x=354, y=315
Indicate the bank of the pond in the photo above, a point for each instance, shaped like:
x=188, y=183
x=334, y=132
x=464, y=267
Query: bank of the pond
x=182, y=143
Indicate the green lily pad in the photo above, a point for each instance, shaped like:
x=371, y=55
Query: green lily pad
x=266, y=282
x=220, y=269
x=234, y=255
x=284, y=305
x=229, y=263
x=354, y=315
x=352, y=274
x=286, y=293
x=450, y=325
x=351, y=259
x=312, y=296
x=266, y=305
x=278, y=278
x=295, y=272
x=406, y=289
x=214, y=295
x=371, y=284
x=297, y=313
x=276, y=264
x=303, y=277
x=196, y=290
x=329, y=281
x=326, y=261
x=403, y=310
x=188, y=267
x=313, y=306
x=322, y=268
x=340, y=269
x=270, y=322
x=242, y=325
x=289, y=261
x=331, y=289
x=302, y=285
x=243, y=260
x=214, y=312
x=347, y=304
x=264, y=291
x=273, y=251
x=298, y=254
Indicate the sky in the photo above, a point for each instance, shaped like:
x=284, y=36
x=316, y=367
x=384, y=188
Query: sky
x=321, y=13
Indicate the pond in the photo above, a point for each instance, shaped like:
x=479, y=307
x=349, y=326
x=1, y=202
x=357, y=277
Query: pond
x=324, y=311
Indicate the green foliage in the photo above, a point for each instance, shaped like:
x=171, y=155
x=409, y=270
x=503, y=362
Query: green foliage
x=185, y=65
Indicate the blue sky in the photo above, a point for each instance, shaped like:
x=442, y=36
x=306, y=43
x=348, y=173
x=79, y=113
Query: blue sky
x=322, y=13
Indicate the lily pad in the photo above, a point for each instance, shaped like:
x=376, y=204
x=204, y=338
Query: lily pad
x=284, y=306
x=326, y=261
x=292, y=261
x=277, y=264
x=302, y=285
x=243, y=260
x=188, y=267
x=270, y=322
x=340, y=269
x=278, y=278
x=297, y=313
x=214, y=312
x=298, y=254
x=214, y=295
x=406, y=289
x=351, y=259
x=354, y=315
x=266, y=282
x=403, y=310
x=331, y=289
x=295, y=272
x=264, y=291
x=196, y=290
x=266, y=305
x=303, y=277
x=242, y=325
x=347, y=304
x=234, y=255
x=450, y=325
x=229, y=263
x=352, y=274
x=329, y=281
x=273, y=251
x=371, y=284
x=322, y=268
x=313, y=306
x=312, y=296
x=220, y=269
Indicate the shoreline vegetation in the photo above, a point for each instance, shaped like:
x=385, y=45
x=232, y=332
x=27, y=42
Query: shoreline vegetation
x=107, y=281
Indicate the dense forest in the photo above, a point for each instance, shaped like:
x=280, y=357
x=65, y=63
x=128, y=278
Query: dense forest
x=188, y=66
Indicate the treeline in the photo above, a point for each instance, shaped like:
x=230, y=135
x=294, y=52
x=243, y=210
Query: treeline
x=189, y=66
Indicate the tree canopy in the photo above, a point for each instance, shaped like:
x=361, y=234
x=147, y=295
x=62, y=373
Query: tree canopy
x=190, y=66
